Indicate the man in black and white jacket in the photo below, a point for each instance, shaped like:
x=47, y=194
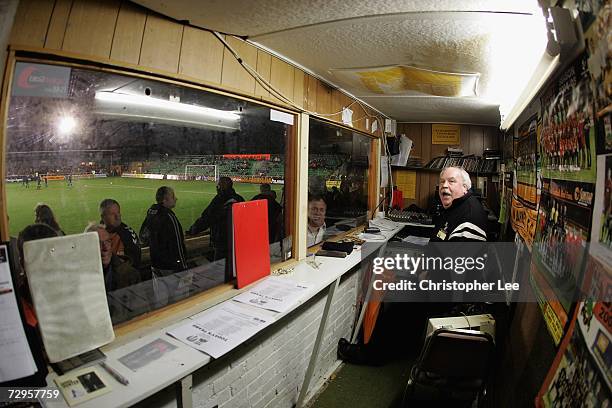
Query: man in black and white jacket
x=463, y=219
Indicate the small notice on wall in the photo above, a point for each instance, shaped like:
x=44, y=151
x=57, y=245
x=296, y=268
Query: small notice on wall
x=406, y=183
x=445, y=134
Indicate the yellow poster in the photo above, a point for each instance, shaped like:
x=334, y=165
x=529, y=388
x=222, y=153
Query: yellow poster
x=406, y=183
x=445, y=134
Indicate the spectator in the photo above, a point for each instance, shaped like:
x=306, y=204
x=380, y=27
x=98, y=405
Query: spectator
x=316, y=220
x=44, y=215
x=274, y=211
x=215, y=217
x=124, y=240
x=163, y=232
x=118, y=272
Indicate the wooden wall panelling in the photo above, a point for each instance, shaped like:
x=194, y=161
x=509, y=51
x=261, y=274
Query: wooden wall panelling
x=310, y=93
x=201, y=55
x=464, y=132
x=438, y=149
x=281, y=78
x=324, y=94
x=58, y=24
x=426, y=141
x=476, y=141
x=492, y=137
x=87, y=16
x=336, y=105
x=31, y=22
x=233, y=74
x=359, y=117
x=299, y=93
x=434, y=151
x=161, y=44
x=264, y=62
x=129, y=33
x=413, y=132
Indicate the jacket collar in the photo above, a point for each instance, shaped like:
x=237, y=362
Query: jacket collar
x=458, y=201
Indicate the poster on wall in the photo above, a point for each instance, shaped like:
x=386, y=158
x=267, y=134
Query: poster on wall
x=567, y=141
x=523, y=218
x=575, y=378
x=600, y=67
x=601, y=233
x=589, y=9
x=525, y=154
x=553, y=312
x=595, y=317
x=560, y=248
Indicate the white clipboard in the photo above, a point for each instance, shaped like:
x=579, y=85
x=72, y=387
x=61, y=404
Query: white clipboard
x=67, y=285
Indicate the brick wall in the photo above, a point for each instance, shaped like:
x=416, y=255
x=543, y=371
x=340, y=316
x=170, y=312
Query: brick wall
x=268, y=370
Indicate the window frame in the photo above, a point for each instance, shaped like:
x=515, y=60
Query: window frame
x=297, y=200
x=221, y=291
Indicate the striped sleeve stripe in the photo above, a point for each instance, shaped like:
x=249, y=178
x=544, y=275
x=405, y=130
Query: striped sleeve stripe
x=466, y=234
x=178, y=243
x=476, y=229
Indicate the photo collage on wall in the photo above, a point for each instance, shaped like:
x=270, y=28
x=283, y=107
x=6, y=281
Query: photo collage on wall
x=567, y=140
x=562, y=232
x=576, y=377
x=581, y=373
x=526, y=194
x=567, y=162
x=505, y=199
x=597, y=20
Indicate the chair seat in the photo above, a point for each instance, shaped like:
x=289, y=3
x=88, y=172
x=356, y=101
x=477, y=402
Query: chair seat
x=434, y=380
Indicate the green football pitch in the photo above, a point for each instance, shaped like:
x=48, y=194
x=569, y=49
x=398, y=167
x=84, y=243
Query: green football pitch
x=75, y=206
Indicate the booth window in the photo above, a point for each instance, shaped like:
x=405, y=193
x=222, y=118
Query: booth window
x=338, y=168
x=77, y=136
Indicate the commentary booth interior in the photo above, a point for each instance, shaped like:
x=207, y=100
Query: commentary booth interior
x=104, y=102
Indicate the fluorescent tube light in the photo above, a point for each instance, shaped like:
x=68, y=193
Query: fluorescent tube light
x=145, y=108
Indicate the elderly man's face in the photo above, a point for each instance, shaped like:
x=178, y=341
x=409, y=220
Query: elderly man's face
x=112, y=216
x=316, y=213
x=451, y=186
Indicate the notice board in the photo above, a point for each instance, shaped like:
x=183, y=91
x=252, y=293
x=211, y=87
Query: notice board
x=445, y=134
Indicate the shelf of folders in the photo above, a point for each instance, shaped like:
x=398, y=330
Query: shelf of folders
x=472, y=164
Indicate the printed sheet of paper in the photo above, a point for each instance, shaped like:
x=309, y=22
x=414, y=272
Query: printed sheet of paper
x=146, y=354
x=218, y=330
x=274, y=293
x=16, y=359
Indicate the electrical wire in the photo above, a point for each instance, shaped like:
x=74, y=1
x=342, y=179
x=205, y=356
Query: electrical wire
x=275, y=92
x=278, y=94
x=468, y=320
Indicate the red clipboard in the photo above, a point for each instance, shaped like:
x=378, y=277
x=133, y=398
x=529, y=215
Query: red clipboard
x=251, y=252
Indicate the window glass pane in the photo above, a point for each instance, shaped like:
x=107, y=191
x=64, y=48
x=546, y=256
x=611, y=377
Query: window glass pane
x=78, y=136
x=338, y=161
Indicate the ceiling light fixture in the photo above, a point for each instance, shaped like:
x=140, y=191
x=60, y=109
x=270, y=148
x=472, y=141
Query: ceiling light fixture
x=139, y=108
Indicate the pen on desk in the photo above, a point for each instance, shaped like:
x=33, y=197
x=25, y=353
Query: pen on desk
x=121, y=379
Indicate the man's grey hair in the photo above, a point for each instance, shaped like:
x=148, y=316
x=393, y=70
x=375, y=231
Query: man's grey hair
x=94, y=226
x=106, y=203
x=467, y=182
